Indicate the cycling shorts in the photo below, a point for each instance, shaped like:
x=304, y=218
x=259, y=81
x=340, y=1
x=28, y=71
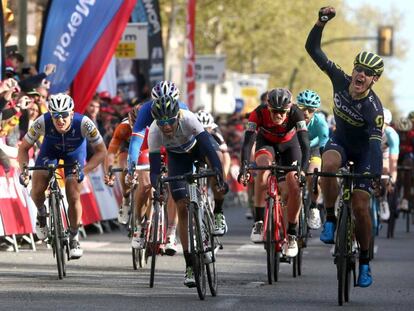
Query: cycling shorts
x=181, y=163
x=46, y=157
x=361, y=162
x=285, y=154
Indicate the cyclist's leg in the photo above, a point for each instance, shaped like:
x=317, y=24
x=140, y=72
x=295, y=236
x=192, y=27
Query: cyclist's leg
x=220, y=220
x=142, y=203
x=290, y=154
x=333, y=158
x=314, y=219
x=179, y=164
x=363, y=224
x=40, y=182
x=407, y=176
x=124, y=208
x=264, y=156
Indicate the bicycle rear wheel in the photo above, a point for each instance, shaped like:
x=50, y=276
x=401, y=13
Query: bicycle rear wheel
x=56, y=236
x=270, y=241
x=197, y=250
x=210, y=252
x=154, y=240
x=302, y=234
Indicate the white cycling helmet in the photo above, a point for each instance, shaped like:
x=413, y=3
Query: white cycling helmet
x=163, y=88
x=60, y=102
x=205, y=118
x=387, y=116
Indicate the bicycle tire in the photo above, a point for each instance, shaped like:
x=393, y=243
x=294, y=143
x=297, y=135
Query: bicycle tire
x=197, y=250
x=154, y=240
x=407, y=220
x=136, y=262
x=392, y=202
x=341, y=254
x=57, y=244
x=211, y=266
x=302, y=233
x=270, y=241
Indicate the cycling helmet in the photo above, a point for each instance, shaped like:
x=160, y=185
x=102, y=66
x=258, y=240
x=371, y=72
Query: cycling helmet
x=411, y=115
x=165, y=88
x=165, y=107
x=370, y=60
x=387, y=116
x=60, y=102
x=403, y=125
x=309, y=98
x=205, y=118
x=279, y=99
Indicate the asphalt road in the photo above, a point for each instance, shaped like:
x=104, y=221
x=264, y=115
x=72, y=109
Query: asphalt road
x=103, y=279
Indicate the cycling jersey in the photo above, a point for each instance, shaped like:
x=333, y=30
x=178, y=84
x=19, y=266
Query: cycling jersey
x=390, y=142
x=406, y=142
x=318, y=131
x=144, y=120
x=184, y=137
x=190, y=142
x=69, y=146
x=121, y=137
x=359, y=122
x=260, y=121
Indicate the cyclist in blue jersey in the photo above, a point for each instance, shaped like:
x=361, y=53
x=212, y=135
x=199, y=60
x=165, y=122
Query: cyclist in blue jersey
x=144, y=120
x=390, y=147
x=309, y=101
x=65, y=134
x=390, y=152
x=185, y=141
x=359, y=121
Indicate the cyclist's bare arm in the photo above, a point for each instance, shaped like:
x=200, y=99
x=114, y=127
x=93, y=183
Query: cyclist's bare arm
x=97, y=158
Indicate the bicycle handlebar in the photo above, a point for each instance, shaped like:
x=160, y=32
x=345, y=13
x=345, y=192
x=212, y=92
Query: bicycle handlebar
x=345, y=174
x=51, y=168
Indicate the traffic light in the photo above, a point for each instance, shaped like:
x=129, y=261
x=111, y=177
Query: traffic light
x=385, y=40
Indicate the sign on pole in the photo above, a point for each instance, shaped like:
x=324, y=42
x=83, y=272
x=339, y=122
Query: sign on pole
x=134, y=42
x=210, y=68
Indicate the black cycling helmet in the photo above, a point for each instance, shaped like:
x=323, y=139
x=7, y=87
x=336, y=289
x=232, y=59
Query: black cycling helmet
x=279, y=99
x=164, y=107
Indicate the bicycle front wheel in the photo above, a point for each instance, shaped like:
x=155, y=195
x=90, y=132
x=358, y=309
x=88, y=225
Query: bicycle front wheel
x=154, y=240
x=270, y=241
x=302, y=240
x=341, y=253
x=136, y=253
x=57, y=245
x=197, y=249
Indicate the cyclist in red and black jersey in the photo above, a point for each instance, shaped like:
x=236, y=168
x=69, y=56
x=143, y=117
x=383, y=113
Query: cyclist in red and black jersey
x=359, y=120
x=280, y=132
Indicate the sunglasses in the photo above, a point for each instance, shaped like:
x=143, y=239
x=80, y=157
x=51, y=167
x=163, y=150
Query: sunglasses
x=368, y=72
x=309, y=109
x=170, y=121
x=278, y=111
x=63, y=115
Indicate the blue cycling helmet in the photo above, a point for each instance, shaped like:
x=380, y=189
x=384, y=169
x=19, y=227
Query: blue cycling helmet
x=309, y=98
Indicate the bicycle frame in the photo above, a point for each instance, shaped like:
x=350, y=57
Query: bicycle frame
x=196, y=228
x=274, y=228
x=58, y=218
x=345, y=255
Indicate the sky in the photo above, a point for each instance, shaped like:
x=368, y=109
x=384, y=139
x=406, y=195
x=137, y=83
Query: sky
x=404, y=92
